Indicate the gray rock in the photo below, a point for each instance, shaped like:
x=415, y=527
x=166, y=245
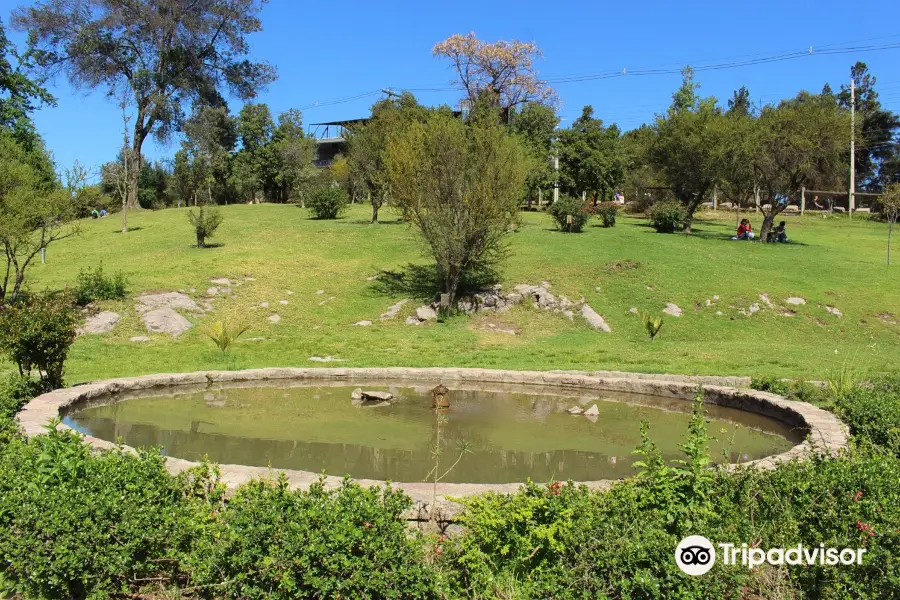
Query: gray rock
x=633, y=310
x=716, y=298
x=102, y=322
x=212, y=291
x=376, y=395
x=165, y=320
x=576, y=410
x=544, y=298
x=426, y=313
x=765, y=299
x=834, y=311
x=568, y=314
x=275, y=318
x=514, y=298
x=594, y=319
x=393, y=310
x=413, y=321
x=593, y=411
x=719, y=313
x=325, y=359
x=356, y=394
x=264, y=304
x=375, y=404
x=320, y=292
x=795, y=301
x=754, y=308
x=138, y=339
x=175, y=300
x=282, y=302
x=225, y=290
x=673, y=309
x=221, y=281
x=362, y=323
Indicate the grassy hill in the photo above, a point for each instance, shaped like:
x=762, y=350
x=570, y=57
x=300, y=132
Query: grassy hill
x=835, y=262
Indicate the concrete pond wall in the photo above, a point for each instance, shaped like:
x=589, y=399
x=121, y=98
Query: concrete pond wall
x=825, y=433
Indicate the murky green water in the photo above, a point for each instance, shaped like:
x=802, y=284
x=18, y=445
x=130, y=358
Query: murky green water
x=514, y=432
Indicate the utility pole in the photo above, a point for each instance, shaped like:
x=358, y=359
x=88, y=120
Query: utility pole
x=852, y=196
x=556, y=180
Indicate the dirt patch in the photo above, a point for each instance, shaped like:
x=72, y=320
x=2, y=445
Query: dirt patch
x=621, y=266
x=496, y=326
x=887, y=318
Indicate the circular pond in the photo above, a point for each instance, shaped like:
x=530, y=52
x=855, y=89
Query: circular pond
x=511, y=432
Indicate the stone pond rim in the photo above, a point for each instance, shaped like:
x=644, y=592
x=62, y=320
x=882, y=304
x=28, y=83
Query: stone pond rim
x=826, y=434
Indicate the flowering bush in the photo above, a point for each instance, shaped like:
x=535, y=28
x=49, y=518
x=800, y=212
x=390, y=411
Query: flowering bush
x=607, y=211
x=667, y=217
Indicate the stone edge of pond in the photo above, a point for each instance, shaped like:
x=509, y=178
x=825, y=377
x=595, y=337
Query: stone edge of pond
x=826, y=433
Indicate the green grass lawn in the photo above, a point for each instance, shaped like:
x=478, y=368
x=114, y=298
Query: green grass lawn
x=837, y=262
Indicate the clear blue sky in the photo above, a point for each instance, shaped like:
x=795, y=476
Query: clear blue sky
x=331, y=50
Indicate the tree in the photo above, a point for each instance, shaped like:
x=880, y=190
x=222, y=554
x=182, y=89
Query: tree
x=254, y=169
x=739, y=103
x=875, y=127
x=459, y=183
x=536, y=125
x=295, y=154
x=163, y=53
x=502, y=72
x=890, y=208
x=19, y=95
x=738, y=177
x=687, y=148
x=590, y=158
x=210, y=138
x=33, y=213
x=367, y=145
x=800, y=142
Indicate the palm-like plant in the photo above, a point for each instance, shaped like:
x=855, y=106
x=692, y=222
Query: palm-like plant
x=652, y=324
x=223, y=335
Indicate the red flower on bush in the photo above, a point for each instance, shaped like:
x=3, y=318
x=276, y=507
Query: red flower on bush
x=858, y=496
x=555, y=488
x=865, y=528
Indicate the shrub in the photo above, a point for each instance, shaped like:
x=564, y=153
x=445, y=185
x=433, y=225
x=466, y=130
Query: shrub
x=205, y=221
x=15, y=392
x=872, y=411
x=607, y=211
x=36, y=333
x=667, y=217
x=276, y=543
x=93, y=285
x=328, y=202
x=566, y=207
x=652, y=325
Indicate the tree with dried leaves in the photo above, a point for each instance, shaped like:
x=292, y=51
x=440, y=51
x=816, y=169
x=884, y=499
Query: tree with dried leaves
x=502, y=72
x=459, y=183
x=163, y=53
x=890, y=209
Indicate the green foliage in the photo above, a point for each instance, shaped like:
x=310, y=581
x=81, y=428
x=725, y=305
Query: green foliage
x=36, y=333
x=222, y=335
x=667, y=217
x=607, y=211
x=590, y=157
x=205, y=220
x=93, y=285
x=580, y=212
x=269, y=542
x=328, y=202
x=15, y=392
x=872, y=410
x=652, y=324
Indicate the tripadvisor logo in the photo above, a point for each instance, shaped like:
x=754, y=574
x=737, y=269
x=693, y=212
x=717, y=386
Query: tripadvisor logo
x=695, y=555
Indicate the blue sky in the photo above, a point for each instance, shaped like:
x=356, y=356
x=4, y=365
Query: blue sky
x=326, y=51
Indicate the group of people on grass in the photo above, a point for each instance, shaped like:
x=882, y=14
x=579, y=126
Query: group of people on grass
x=745, y=232
x=96, y=215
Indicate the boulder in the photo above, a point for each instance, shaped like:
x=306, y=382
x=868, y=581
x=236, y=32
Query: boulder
x=148, y=302
x=426, y=313
x=165, y=320
x=393, y=310
x=673, y=309
x=274, y=318
x=362, y=323
x=576, y=410
x=754, y=308
x=102, y=322
x=221, y=281
x=514, y=298
x=369, y=395
x=594, y=319
x=413, y=321
x=795, y=301
x=834, y=311
x=356, y=394
x=212, y=291
x=593, y=411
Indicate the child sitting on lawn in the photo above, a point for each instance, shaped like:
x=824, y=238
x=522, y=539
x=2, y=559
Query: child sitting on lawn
x=779, y=234
x=745, y=231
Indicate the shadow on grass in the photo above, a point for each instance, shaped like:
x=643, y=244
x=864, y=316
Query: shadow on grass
x=369, y=222
x=130, y=229
x=208, y=246
x=422, y=282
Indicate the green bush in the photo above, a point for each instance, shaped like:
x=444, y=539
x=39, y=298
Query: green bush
x=607, y=211
x=205, y=222
x=271, y=542
x=667, y=217
x=93, y=285
x=328, y=202
x=872, y=411
x=36, y=333
x=567, y=206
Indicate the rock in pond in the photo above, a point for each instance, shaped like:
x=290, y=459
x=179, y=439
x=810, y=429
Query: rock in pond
x=576, y=410
x=593, y=411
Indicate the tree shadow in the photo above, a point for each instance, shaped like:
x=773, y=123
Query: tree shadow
x=423, y=282
x=130, y=229
x=208, y=246
x=369, y=222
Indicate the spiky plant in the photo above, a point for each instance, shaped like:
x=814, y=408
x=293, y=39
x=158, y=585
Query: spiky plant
x=223, y=335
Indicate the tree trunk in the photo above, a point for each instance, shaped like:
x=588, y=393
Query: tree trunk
x=766, y=229
x=134, y=169
x=690, y=207
x=890, y=231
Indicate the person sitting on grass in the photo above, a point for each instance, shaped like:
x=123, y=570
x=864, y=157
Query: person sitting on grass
x=745, y=231
x=779, y=234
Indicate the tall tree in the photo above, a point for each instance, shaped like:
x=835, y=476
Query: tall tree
x=459, y=183
x=295, y=152
x=19, y=95
x=161, y=53
x=536, y=125
x=876, y=127
x=687, y=148
x=590, y=157
x=368, y=144
x=502, y=72
x=210, y=138
x=739, y=103
x=800, y=142
x=254, y=169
